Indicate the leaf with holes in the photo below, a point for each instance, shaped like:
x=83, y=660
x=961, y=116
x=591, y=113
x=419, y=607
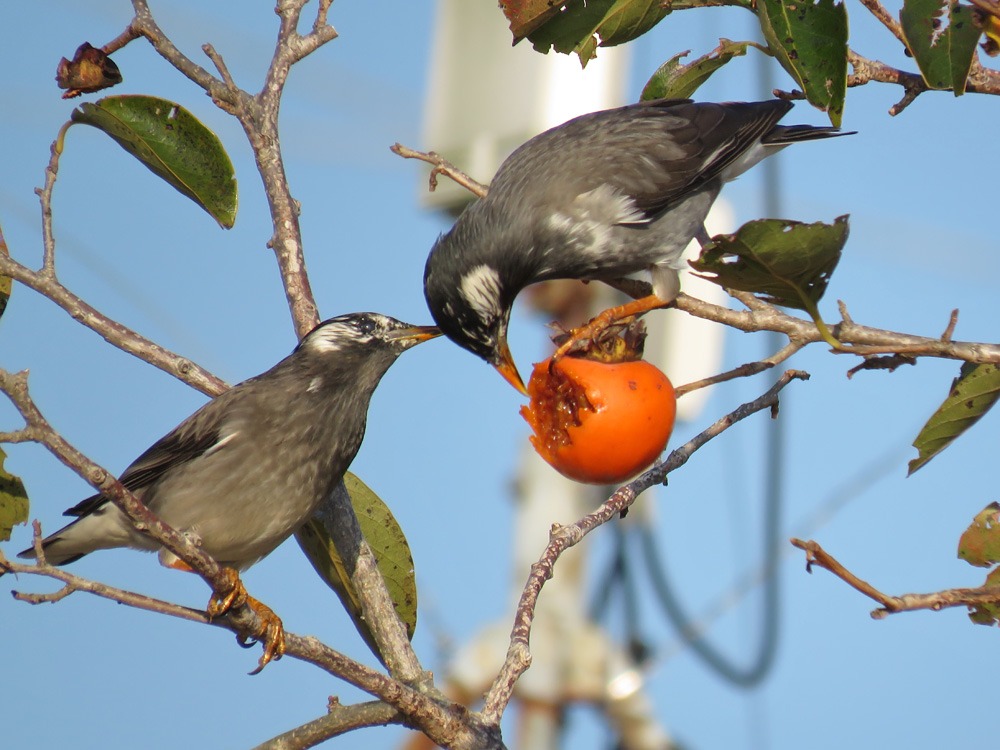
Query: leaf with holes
x=527, y=15
x=675, y=81
x=972, y=394
x=941, y=35
x=388, y=543
x=979, y=545
x=173, y=144
x=987, y=613
x=581, y=27
x=13, y=501
x=809, y=39
x=787, y=263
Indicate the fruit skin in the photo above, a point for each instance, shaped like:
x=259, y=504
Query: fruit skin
x=596, y=422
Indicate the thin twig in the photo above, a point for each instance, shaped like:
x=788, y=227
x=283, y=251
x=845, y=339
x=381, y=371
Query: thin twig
x=855, y=339
x=110, y=330
x=339, y=720
x=745, y=370
x=935, y=601
x=885, y=18
x=561, y=538
x=440, y=165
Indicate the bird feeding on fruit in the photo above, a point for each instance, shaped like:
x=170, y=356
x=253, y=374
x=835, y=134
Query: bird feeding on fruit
x=245, y=471
x=604, y=195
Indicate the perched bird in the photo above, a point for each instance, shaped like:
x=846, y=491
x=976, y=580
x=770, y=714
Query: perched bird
x=245, y=471
x=601, y=196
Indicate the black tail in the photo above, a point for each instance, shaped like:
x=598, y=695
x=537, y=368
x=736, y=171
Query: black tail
x=782, y=135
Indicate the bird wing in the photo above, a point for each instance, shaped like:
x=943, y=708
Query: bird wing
x=196, y=436
x=652, y=152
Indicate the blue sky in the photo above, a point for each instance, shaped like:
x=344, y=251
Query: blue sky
x=444, y=435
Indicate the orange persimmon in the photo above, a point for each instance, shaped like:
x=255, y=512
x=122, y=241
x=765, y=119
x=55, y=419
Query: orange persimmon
x=599, y=422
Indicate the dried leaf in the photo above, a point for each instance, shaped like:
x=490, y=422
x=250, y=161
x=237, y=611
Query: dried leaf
x=581, y=26
x=90, y=70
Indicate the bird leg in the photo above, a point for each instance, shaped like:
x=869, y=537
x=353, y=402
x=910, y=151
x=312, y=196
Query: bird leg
x=607, y=318
x=272, y=631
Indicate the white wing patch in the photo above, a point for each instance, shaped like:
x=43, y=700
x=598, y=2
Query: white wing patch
x=589, y=222
x=223, y=441
x=608, y=205
x=480, y=287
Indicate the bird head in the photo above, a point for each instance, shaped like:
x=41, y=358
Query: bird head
x=367, y=343
x=475, y=312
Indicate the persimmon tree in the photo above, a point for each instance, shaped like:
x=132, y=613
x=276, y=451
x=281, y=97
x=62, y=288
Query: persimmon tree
x=769, y=267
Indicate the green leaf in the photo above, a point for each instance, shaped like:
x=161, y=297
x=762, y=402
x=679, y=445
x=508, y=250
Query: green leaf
x=173, y=144
x=986, y=613
x=392, y=554
x=13, y=501
x=810, y=41
x=6, y=282
x=581, y=26
x=787, y=262
x=941, y=35
x=979, y=545
x=972, y=394
x=675, y=81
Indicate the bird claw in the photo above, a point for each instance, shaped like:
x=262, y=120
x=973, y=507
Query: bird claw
x=272, y=632
x=582, y=336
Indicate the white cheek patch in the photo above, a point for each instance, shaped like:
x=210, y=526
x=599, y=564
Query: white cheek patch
x=329, y=339
x=480, y=288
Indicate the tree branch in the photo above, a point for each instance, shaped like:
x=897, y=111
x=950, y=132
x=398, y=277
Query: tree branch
x=340, y=720
x=562, y=538
x=45, y=283
x=938, y=600
x=441, y=166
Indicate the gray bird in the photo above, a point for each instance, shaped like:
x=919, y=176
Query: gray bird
x=245, y=471
x=601, y=196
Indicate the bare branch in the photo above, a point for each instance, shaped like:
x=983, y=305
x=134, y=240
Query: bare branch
x=562, y=538
x=124, y=338
x=340, y=720
x=855, y=339
x=441, y=166
x=938, y=600
x=746, y=370
x=144, y=24
x=885, y=18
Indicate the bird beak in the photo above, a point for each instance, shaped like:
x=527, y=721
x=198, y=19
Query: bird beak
x=414, y=334
x=508, y=369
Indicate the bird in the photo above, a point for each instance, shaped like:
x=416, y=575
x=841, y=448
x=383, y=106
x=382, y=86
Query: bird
x=247, y=469
x=601, y=196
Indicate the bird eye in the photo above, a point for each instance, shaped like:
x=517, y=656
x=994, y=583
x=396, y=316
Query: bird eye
x=365, y=325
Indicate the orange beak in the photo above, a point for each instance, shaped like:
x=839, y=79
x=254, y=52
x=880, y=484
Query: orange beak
x=508, y=369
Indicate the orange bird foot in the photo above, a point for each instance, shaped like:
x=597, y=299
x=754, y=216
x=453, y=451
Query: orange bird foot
x=271, y=633
x=606, y=319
